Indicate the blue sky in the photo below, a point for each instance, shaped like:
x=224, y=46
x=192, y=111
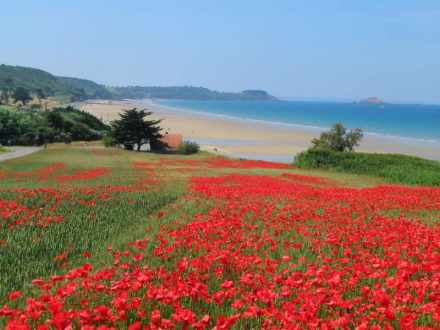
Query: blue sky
x=303, y=49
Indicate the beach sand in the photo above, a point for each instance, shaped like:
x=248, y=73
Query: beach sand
x=247, y=139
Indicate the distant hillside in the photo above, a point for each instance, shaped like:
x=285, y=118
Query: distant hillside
x=187, y=92
x=35, y=79
x=31, y=79
x=82, y=89
x=90, y=88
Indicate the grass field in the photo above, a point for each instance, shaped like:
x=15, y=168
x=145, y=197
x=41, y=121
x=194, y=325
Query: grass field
x=93, y=237
x=393, y=168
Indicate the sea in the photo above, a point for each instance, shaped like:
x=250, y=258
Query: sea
x=408, y=123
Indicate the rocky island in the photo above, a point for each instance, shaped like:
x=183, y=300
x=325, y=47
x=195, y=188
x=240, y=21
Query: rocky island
x=372, y=100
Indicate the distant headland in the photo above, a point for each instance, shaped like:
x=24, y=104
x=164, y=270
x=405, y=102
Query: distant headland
x=372, y=100
x=75, y=89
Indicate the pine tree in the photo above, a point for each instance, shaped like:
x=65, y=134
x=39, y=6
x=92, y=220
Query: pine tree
x=132, y=129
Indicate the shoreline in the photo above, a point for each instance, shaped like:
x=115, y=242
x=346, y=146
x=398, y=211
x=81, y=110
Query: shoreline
x=308, y=128
x=255, y=139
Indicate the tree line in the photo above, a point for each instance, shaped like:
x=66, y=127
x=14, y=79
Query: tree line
x=34, y=127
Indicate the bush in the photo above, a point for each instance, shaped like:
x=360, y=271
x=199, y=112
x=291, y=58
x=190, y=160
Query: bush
x=37, y=127
x=108, y=141
x=65, y=137
x=394, y=168
x=338, y=139
x=188, y=148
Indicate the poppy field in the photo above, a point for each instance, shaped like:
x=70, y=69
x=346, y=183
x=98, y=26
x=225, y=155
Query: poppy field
x=95, y=238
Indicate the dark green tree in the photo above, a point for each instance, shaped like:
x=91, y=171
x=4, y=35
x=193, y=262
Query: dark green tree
x=338, y=139
x=21, y=95
x=39, y=93
x=4, y=96
x=9, y=128
x=55, y=120
x=8, y=86
x=134, y=130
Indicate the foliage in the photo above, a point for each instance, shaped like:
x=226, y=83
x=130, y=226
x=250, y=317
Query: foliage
x=108, y=140
x=393, y=167
x=86, y=89
x=171, y=242
x=4, y=96
x=70, y=113
x=338, y=139
x=58, y=125
x=80, y=89
x=134, y=130
x=22, y=95
x=187, y=92
x=188, y=148
x=41, y=83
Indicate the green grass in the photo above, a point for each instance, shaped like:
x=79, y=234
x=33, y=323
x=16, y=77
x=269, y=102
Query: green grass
x=3, y=149
x=28, y=252
x=393, y=168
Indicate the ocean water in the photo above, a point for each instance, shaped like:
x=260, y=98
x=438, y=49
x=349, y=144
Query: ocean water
x=412, y=123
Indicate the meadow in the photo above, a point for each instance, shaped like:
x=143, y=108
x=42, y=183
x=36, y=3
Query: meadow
x=393, y=168
x=94, y=238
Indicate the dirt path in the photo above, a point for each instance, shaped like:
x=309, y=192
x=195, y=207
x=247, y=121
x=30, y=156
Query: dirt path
x=16, y=152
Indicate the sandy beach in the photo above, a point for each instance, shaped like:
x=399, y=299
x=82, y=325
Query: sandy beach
x=247, y=139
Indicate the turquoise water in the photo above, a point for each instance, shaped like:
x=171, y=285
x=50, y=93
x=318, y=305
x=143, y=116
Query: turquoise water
x=412, y=122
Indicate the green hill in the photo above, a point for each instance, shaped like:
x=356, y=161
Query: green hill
x=187, y=92
x=35, y=79
x=91, y=89
x=81, y=89
x=31, y=79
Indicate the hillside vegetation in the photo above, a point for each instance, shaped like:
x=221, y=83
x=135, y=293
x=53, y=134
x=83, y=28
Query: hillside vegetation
x=32, y=79
x=394, y=168
x=187, y=92
x=80, y=89
x=86, y=88
x=36, y=127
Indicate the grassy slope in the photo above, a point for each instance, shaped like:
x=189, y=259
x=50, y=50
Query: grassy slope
x=31, y=252
x=33, y=79
x=394, y=168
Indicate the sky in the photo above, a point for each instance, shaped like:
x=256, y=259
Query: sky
x=304, y=49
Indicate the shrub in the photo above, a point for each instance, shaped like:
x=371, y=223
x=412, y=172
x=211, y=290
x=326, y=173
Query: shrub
x=392, y=167
x=188, y=148
x=338, y=139
x=37, y=127
x=108, y=141
x=64, y=137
